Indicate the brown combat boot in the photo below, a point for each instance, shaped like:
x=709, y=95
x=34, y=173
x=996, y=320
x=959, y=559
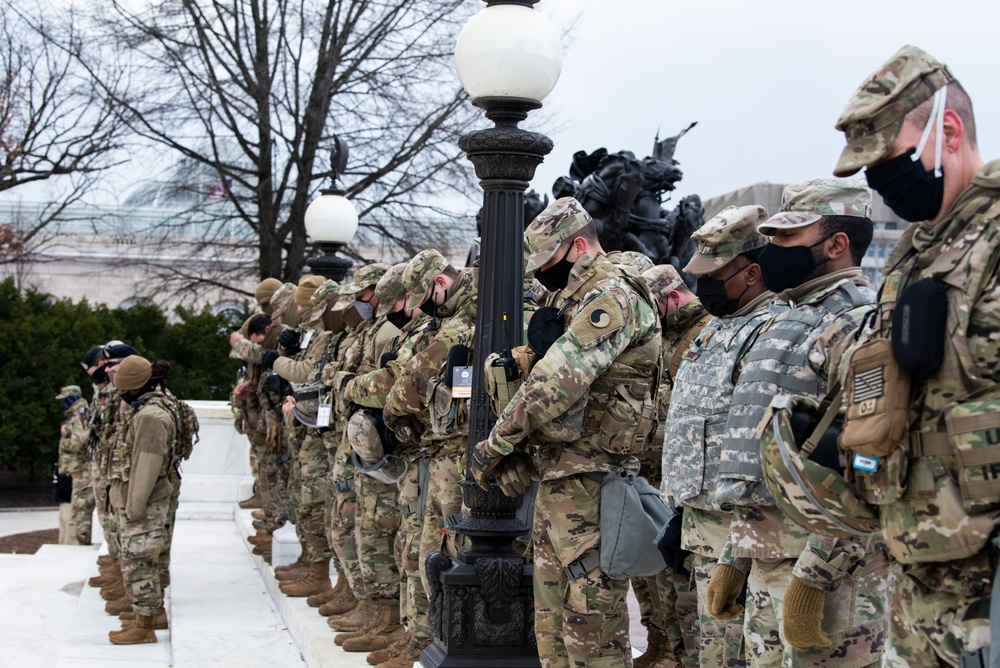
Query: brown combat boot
x=316, y=600
x=136, y=632
x=266, y=556
x=118, y=606
x=258, y=515
x=317, y=579
x=658, y=653
x=159, y=619
x=386, y=632
x=408, y=656
x=376, y=619
x=354, y=620
x=262, y=538
x=292, y=571
x=113, y=591
x=105, y=560
x=390, y=652
x=253, y=502
x=108, y=577
x=341, y=603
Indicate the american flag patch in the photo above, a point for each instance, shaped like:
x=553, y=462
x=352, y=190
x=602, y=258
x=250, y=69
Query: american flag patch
x=868, y=385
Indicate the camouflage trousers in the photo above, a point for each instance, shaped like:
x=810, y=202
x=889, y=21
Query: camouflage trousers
x=721, y=642
x=375, y=527
x=341, y=506
x=171, y=523
x=584, y=621
x=313, y=488
x=139, y=547
x=105, y=514
x=294, y=439
x=82, y=507
x=678, y=597
x=853, y=616
x=413, y=601
x=444, y=500
x=933, y=628
x=267, y=477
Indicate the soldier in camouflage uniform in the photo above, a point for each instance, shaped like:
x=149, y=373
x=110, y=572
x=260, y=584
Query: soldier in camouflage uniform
x=730, y=287
x=140, y=493
x=73, y=461
x=911, y=125
x=571, y=418
x=796, y=580
x=668, y=602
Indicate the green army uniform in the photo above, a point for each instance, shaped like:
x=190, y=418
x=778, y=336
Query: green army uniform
x=73, y=461
x=566, y=416
x=667, y=601
x=937, y=502
x=796, y=352
x=696, y=422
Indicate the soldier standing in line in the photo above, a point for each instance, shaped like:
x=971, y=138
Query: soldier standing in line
x=667, y=601
x=73, y=461
x=566, y=416
x=731, y=289
x=796, y=580
x=910, y=124
x=91, y=361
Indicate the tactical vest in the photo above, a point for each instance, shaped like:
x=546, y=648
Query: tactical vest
x=778, y=363
x=120, y=459
x=699, y=405
x=939, y=494
x=448, y=416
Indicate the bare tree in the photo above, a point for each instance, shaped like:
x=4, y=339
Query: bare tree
x=54, y=124
x=248, y=94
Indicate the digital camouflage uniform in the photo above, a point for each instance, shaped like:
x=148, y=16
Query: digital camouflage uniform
x=696, y=422
x=73, y=461
x=564, y=416
x=937, y=514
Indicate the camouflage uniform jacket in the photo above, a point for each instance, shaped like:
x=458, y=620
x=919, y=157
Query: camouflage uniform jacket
x=696, y=421
x=251, y=352
x=371, y=389
x=795, y=352
x=107, y=422
x=925, y=514
x=408, y=396
x=73, y=438
x=142, y=457
x=306, y=365
x=611, y=341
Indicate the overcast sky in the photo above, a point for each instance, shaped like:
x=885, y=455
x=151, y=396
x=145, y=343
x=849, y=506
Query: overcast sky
x=766, y=80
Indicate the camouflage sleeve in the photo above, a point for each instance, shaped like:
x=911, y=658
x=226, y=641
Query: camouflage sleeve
x=983, y=334
x=298, y=369
x=596, y=336
x=409, y=394
x=826, y=560
x=726, y=557
x=154, y=431
x=246, y=350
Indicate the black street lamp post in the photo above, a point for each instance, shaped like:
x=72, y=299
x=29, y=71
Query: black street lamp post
x=331, y=221
x=482, y=612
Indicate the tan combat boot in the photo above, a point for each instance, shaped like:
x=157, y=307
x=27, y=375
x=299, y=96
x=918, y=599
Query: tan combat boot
x=113, y=591
x=266, y=556
x=390, y=652
x=105, y=560
x=136, y=632
x=316, y=600
x=317, y=579
x=376, y=619
x=292, y=571
x=340, y=604
x=354, y=620
x=110, y=575
x=258, y=515
x=159, y=619
x=262, y=538
x=409, y=655
x=118, y=606
x=386, y=632
x=658, y=653
x=253, y=502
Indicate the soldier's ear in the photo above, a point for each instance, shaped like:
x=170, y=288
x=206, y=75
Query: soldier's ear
x=753, y=274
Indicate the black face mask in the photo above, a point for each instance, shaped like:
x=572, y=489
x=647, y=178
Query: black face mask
x=556, y=277
x=712, y=293
x=784, y=267
x=67, y=402
x=100, y=375
x=428, y=307
x=912, y=192
x=131, y=396
x=399, y=318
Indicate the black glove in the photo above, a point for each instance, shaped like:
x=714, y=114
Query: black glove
x=268, y=357
x=670, y=546
x=289, y=339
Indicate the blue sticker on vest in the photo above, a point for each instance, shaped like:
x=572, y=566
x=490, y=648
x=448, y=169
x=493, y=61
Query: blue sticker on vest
x=869, y=464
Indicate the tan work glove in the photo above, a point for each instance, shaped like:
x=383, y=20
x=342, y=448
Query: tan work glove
x=513, y=475
x=724, y=588
x=802, y=616
x=525, y=358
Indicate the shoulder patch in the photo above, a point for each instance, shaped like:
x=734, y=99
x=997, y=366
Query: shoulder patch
x=598, y=319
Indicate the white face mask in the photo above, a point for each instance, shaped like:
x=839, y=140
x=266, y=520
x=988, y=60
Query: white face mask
x=365, y=310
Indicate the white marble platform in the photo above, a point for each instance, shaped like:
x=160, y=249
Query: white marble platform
x=19, y=520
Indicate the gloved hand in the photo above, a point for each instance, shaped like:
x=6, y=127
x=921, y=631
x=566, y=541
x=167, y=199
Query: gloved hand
x=513, y=475
x=525, y=358
x=802, y=616
x=670, y=545
x=724, y=588
x=267, y=358
x=289, y=339
x=482, y=461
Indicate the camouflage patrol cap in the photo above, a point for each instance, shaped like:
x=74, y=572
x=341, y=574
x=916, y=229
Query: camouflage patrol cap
x=132, y=373
x=365, y=277
x=874, y=114
x=306, y=287
x=325, y=291
x=637, y=260
x=69, y=391
x=721, y=240
x=265, y=290
x=661, y=279
x=282, y=297
x=345, y=299
x=557, y=223
x=420, y=273
x=805, y=203
x=389, y=289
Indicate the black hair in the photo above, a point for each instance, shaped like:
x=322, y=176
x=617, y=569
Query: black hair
x=258, y=324
x=859, y=232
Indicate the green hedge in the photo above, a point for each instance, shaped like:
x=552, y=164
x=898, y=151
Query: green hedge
x=43, y=341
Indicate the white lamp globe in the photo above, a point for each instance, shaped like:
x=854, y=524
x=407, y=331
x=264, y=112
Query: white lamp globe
x=508, y=51
x=331, y=219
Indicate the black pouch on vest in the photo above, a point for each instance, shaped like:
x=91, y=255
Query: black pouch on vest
x=827, y=453
x=544, y=328
x=919, y=324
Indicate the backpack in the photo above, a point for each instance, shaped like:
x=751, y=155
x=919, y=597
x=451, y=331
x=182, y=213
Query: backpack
x=186, y=424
